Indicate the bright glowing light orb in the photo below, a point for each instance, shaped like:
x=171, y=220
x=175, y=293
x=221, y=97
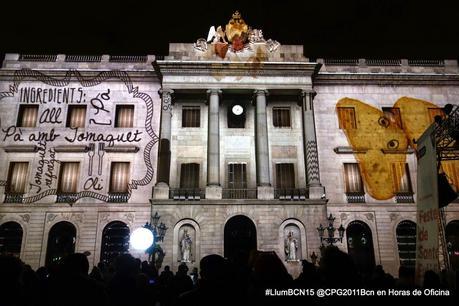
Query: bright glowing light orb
x=141, y=238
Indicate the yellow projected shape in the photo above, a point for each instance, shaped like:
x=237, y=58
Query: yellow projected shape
x=385, y=138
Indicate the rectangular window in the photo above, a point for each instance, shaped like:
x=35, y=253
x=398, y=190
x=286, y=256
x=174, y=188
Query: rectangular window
x=353, y=178
x=191, y=116
x=68, y=177
x=189, y=176
x=124, y=117
x=436, y=112
x=401, y=178
x=285, y=176
x=451, y=168
x=76, y=116
x=119, y=177
x=393, y=114
x=27, y=116
x=346, y=118
x=237, y=176
x=17, y=178
x=281, y=117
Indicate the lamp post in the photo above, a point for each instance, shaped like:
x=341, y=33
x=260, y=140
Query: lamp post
x=155, y=252
x=330, y=238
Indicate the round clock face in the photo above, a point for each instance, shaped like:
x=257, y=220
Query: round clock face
x=237, y=110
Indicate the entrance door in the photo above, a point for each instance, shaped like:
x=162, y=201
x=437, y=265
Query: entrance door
x=240, y=237
x=61, y=242
x=360, y=246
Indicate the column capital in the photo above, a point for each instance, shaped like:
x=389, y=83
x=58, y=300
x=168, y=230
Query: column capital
x=214, y=91
x=310, y=92
x=165, y=91
x=261, y=92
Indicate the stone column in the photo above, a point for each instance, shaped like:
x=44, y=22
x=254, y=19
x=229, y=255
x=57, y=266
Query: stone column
x=264, y=188
x=316, y=190
x=161, y=190
x=213, y=189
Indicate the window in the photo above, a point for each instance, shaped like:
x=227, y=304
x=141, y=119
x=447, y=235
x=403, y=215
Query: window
x=393, y=114
x=68, y=177
x=236, y=116
x=191, y=116
x=76, y=116
x=237, y=176
x=27, y=116
x=17, y=178
x=401, y=178
x=119, y=177
x=451, y=168
x=285, y=176
x=189, y=176
x=124, y=117
x=281, y=116
x=354, y=185
x=436, y=112
x=406, y=242
x=346, y=118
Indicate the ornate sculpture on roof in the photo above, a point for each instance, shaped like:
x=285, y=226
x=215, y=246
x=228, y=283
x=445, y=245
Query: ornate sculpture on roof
x=236, y=38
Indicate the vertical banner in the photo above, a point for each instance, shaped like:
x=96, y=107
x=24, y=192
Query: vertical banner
x=427, y=246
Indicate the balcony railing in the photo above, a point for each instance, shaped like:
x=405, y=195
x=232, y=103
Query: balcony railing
x=405, y=197
x=355, y=197
x=298, y=194
x=13, y=198
x=118, y=197
x=190, y=194
x=67, y=197
x=239, y=193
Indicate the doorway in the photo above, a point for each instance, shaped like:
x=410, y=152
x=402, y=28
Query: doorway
x=240, y=238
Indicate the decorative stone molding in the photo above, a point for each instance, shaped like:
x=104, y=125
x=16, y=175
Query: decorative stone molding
x=343, y=216
x=129, y=217
x=393, y=216
x=25, y=218
x=51, y=217
x=369, y=216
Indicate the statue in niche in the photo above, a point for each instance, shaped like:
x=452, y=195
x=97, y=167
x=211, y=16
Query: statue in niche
x=291, y=247
x=185, y=247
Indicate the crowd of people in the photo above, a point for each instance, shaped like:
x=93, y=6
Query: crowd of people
x=246, y=279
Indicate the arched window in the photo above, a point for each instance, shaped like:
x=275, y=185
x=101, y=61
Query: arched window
x=10, y=238
x=61, y=242
x=360, y=246
x=406, y=242
x=452, y=243
x=115, y=241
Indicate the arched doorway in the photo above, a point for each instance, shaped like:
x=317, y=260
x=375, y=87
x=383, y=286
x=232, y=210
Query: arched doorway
x=61, y=242
x=360, y=246
x=406, y=243
x=115, y=241
x=240, y=237
x=10, y=238
x=452, y=243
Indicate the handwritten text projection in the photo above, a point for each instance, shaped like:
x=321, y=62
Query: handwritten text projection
x=51, y=95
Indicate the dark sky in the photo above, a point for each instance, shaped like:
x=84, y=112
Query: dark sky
x=327, y=28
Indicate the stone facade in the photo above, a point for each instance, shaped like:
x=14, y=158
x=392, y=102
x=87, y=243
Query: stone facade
x=312, y=142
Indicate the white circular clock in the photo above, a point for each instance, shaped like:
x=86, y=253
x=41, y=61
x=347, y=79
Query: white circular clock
x=237, y=110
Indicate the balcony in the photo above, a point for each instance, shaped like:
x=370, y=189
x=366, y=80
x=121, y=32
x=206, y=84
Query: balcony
x=187, y=194
x=298, y=194
x=118, y=197
x=355, y=197
x=404, y=197
x=13, y=198
x=67, y=197
x=239, y=193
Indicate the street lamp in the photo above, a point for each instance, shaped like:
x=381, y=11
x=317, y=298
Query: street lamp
x=330, y=239
x=147, y=237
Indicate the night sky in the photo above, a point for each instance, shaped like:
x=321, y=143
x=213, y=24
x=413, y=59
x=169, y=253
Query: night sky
x=327, y=28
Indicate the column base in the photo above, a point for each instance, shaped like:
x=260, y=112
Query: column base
x=317, y=192
x=213, y=193
x=265, y=193
x=161, y=191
